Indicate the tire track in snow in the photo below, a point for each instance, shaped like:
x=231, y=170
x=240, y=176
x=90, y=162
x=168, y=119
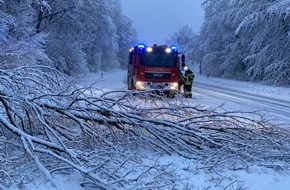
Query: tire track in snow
x=280, y=108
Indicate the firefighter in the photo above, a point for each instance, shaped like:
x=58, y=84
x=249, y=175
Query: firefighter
x=187, y=82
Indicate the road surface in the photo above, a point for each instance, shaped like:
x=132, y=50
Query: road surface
x=238, y=100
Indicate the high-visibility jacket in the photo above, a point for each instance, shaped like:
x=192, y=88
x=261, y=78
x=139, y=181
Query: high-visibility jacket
x=188, y=77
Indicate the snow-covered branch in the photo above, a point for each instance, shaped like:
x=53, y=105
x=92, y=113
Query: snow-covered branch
x=107, y=136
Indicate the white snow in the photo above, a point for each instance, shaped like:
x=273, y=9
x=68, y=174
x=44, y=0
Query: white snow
x=282, y=93
x=194, y=175
x=264, y=93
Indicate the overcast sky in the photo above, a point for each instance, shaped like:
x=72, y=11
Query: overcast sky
x=156, y=20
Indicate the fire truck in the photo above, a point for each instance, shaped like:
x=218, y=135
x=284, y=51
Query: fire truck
x=154, y=68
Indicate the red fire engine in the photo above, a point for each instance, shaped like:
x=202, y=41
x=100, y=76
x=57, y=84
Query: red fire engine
x=154, y=67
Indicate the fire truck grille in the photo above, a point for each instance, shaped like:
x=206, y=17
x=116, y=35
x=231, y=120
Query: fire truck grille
x=157, y=75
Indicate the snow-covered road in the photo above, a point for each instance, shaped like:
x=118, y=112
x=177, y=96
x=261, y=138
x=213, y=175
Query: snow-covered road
x=273, y=102
x=275, y=108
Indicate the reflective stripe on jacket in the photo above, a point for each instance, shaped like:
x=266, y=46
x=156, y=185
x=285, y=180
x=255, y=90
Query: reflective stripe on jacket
x=188, y=77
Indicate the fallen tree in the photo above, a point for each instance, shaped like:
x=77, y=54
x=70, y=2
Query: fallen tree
x=59, y=127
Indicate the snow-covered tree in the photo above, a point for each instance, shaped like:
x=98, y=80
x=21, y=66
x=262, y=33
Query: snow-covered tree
x=268, y=29
x=86, y=35
x=19, y=45
x=187, y=42
x=223, y=52
x=126, y=34
x=76, y=40
x=248, y=40
x=81, y=35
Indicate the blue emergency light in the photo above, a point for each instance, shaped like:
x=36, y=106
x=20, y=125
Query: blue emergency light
x=174, y=48
x=141, y=46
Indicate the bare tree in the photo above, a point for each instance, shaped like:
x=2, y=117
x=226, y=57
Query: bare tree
x=105, y=136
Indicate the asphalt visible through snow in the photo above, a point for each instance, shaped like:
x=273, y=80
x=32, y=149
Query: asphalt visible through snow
x=279, y=109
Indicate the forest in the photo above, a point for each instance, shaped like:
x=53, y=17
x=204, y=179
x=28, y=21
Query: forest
x=50, y=125
x=73, y=36
x=242, y=40
x=239, y=39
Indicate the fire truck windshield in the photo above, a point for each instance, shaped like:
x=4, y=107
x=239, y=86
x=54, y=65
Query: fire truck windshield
x=159, y=59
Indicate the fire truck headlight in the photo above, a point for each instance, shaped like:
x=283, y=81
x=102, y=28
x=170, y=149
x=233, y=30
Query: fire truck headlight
x=149, y=49
x=140, y=85
x=168, y=50
x=174, y=86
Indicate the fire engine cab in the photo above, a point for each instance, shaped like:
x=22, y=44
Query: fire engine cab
x=153, y=67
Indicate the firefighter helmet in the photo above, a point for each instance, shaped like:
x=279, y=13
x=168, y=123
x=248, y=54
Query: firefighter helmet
x=185, y=68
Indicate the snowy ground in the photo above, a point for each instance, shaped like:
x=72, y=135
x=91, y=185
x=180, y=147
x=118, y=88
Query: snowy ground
x=194, y=175
x=263, y=90
x=273, y=102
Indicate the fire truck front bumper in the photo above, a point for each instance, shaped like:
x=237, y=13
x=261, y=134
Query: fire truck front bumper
x=141, y=85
